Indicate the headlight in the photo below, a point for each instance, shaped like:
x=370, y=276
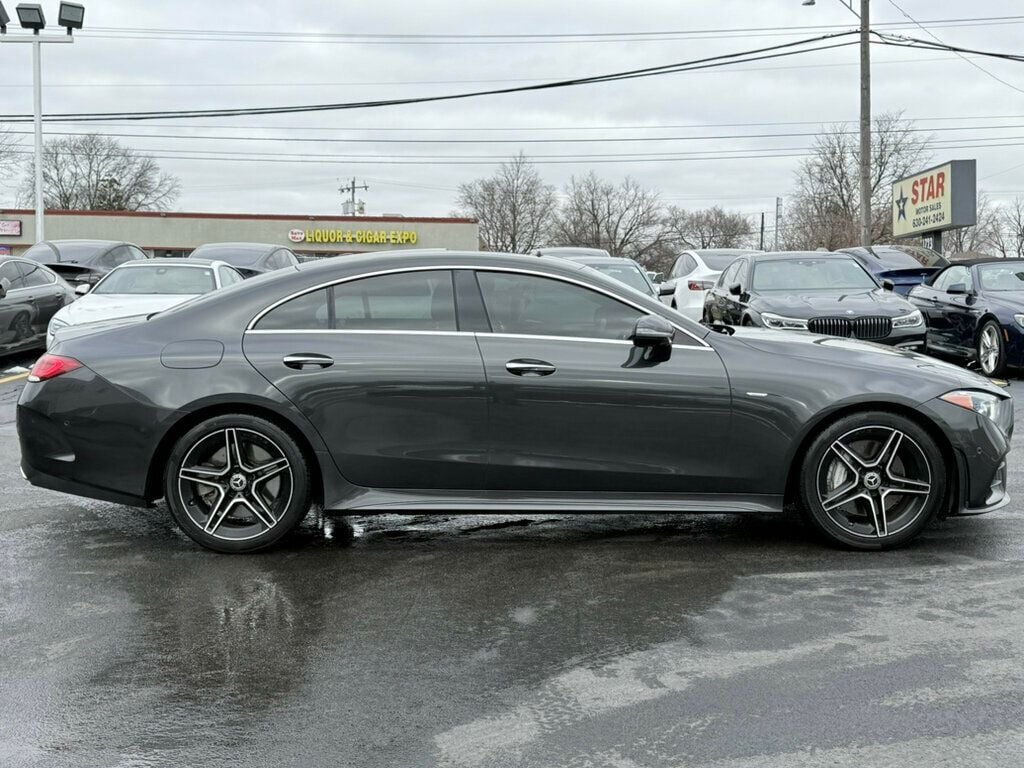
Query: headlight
x=1019, y=319
x=778, y=321
x=55, y=323
x=913, y=320
x=997, y=409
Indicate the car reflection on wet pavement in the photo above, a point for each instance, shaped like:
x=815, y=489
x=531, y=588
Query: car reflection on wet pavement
x=540, y=640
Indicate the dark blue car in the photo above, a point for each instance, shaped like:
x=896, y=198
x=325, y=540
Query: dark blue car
x=975, y=313
x=904, y=265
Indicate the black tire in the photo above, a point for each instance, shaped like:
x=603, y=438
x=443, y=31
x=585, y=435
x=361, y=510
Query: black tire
x=22, y=327
x=244, y=503
x=747, y=322
x=991, y=349
x=888, y=460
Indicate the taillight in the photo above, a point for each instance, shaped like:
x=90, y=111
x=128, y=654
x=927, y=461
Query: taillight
x=700, y=285
x=51, y=366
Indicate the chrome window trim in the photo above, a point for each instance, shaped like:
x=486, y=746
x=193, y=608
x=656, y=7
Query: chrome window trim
x=359, y=331
x=439, y=267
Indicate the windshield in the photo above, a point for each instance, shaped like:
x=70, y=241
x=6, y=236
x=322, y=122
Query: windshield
x=236, y=257
x=81, y=253
x=156, y=279
x=720, y=260
x=629, y=274
x=907, y=257
x=1002, y=277
x=811, y=275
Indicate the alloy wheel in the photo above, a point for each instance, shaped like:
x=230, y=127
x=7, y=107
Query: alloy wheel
x=874, y=481
x=235, y=484
x=989, y=349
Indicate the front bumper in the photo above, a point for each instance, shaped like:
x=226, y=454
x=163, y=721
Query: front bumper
x=980, y=450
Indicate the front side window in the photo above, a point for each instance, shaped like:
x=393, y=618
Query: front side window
x=407, y=301
x=541, y=306
x=728, y=277
x=952, y=276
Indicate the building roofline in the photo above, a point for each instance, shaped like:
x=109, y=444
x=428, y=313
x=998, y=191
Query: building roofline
x=245, y=216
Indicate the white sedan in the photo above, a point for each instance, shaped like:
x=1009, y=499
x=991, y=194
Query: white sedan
x=140, y=288
x=692, y=276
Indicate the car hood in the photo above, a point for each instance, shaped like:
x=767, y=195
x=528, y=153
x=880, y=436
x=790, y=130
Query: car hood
x=807, y=304
x=96, y=307
x=864, y=355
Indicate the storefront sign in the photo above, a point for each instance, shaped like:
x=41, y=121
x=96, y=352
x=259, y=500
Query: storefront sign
x=10, y=227
x=355, y=236
x=935, y=199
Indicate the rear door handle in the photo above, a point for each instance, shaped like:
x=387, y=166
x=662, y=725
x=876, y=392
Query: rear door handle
x=529, y=367
x=301, y=360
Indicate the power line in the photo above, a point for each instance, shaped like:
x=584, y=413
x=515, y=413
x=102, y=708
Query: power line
x=974, y=64
x=758, y=54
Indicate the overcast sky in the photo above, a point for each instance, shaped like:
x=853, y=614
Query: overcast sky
x=110, y=69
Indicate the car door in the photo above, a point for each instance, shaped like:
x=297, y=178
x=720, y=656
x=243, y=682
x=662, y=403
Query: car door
x=575, y=406
x=17, y=310
x=380, y=368
x=717, y=300
x=945, y=311
x=736, y=306
x=45, y=292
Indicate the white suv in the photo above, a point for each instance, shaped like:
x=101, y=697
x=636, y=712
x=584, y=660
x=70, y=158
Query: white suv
x=693, y=275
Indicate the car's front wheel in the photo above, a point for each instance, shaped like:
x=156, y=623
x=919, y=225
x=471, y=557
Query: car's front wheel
x=237, y=483
x=872, y=480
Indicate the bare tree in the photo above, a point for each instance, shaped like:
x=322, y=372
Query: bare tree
x=824, y=207
x=95, y=173
x=514, y=207
x=707, y=228
x=984, y=237
x=624, y=219
x=10, y=156
x=1011, y=229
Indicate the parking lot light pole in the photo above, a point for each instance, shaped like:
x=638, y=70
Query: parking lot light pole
x=31, y=17
x=865, y=114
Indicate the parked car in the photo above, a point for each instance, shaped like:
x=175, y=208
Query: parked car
x=472, y=381
x=250, y=259
x=626, y=271
x=904, y=265
x=30, y=294
x=692, y=275
x=83, y=262
x=139, y=288
x=975, y=313
x=824, y=293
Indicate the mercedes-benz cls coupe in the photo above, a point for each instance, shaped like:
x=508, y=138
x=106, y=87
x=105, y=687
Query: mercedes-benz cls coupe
x=468, y=381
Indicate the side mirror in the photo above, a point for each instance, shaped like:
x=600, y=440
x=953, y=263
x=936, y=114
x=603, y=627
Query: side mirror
x=888, y=285
x=83, y=289
x=666, y=289
x=735, y=289
x=653, y=331
x=5, y=285
x=957, y=289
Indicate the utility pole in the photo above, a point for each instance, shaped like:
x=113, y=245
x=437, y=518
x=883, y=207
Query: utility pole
x=778, y=222
x=762, y=230
x=350, y=189
x=865, y=123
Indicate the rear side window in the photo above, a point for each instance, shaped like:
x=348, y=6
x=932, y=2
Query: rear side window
x=9, y=271
x=36, y=275
x=408, y=301
x=229, y=276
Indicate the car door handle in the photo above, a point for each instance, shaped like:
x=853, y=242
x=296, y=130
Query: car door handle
x=527, y=367
x=300, y=361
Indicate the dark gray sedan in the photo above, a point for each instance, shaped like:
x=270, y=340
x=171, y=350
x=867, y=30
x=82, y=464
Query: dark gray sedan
x=469, y=381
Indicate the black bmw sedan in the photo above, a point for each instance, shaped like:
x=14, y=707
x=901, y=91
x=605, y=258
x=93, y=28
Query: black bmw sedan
x=826, y=293
x=975, y=313
x=83, y=262
x=469, y=381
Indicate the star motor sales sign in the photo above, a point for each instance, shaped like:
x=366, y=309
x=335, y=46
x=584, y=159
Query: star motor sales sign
x=943, y=197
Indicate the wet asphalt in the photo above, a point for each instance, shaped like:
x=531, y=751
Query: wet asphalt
x=604, y=641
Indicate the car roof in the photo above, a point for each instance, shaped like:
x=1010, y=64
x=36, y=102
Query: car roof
x=263, y=247
x=185, y=262
x=987, y=260
x=725, y=251
x=789, y=255
x=592, y=260
x=442, y=258
x=85, y=242
x=572, y=251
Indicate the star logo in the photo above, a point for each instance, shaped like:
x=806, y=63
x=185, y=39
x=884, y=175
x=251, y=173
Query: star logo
x=901, y=203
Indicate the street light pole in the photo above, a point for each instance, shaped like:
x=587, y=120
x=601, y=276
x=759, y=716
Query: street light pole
x=37, y=106
x=865, y=123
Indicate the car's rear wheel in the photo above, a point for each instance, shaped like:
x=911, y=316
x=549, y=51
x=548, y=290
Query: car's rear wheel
x=237, y=483
x=991, y=350
x=872, y=480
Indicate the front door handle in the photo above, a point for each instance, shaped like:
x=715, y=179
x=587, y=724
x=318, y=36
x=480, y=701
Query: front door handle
x=529, y=367
x=300, y=361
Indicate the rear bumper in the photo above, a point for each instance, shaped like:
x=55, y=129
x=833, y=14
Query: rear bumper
x=41, y=479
